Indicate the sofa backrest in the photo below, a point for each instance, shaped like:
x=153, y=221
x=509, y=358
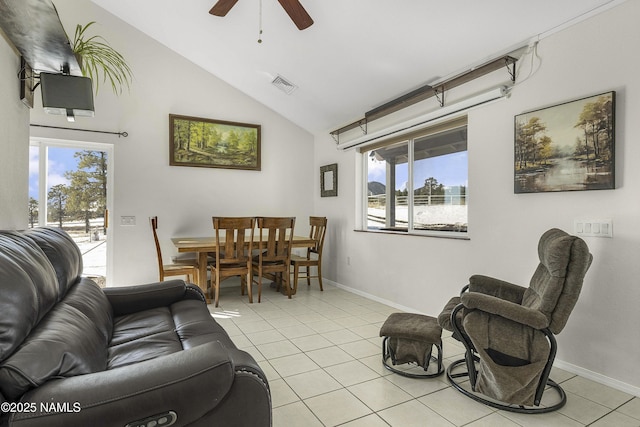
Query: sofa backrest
x=54, y=322
x=28, y=289
x=63, y=253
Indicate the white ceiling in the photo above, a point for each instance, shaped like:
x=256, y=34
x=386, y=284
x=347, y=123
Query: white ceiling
x=357, y=55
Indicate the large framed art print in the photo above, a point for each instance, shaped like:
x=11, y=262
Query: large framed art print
x=566, y=147
x=209, y=143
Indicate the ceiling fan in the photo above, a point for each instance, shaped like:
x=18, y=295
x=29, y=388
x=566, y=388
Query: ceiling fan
x=296, y=12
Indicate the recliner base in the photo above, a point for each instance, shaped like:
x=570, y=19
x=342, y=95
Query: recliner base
x=467, y=391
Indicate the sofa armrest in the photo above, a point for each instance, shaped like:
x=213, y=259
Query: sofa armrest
x=190, y=383
x=131, y=299
x=497, y=288
x=507, y=309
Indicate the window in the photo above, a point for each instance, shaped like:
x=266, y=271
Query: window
x=418, y=183
x=69, y=188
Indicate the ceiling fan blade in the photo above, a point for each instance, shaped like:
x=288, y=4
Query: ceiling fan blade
x=222, y=7
x=296, y=12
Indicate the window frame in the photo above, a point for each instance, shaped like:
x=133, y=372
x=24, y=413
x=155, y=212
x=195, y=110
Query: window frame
x=409, y=139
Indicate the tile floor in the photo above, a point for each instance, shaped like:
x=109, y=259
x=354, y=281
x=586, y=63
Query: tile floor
x=322, y=356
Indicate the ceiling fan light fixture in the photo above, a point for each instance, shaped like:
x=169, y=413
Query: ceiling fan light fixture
x=283, y=84
x=294, y=9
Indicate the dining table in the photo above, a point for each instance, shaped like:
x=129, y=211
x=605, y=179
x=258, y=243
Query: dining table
x=205, y=245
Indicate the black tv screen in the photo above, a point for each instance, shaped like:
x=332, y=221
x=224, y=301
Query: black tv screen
x=63, y=94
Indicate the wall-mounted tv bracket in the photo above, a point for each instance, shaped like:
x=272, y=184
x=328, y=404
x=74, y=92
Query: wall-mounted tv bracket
x=27, y=78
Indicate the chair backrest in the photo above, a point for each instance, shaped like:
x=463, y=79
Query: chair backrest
x=276, y=238
x=154, y=227
x=238, y=234
x=317, y=231
x=557, y=281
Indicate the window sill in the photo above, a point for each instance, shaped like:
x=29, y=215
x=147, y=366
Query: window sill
x=436, y=234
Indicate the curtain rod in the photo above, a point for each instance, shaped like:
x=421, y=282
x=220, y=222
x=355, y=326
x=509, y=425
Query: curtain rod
x=123, y=134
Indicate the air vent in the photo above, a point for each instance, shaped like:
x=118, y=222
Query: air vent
x=284, y=85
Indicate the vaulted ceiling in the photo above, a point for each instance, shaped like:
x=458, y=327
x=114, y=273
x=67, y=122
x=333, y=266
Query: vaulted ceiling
x=357, y=55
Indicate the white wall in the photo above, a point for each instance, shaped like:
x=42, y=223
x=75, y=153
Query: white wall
x=14, y=143
x=601, y=339
x=184, y=198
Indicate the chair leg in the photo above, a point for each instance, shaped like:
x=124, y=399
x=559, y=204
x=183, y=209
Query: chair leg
x=286, y=279
x=244, y=283
x=308, y=269
x=320, y=276
x=217, y=289
x=209, y=287
x=259, y=287
x=296, y=270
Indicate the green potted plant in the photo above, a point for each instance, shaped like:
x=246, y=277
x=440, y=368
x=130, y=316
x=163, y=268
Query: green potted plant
x=96, y=58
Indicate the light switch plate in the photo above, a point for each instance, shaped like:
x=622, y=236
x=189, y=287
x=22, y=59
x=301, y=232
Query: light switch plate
x=128, y=220
x=593, y=227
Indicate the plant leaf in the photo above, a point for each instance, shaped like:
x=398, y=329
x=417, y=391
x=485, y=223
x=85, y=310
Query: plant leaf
x=100, y=59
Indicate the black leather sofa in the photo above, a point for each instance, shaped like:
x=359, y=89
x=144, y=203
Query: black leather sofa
x=72, y=354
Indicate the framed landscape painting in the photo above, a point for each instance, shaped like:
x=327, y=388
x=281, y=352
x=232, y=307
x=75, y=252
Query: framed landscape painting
x=208, y=143
x=567, y=147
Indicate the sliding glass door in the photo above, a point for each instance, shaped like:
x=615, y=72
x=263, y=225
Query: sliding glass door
x=69, y=188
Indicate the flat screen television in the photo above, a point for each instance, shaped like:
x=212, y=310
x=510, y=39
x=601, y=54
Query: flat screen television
x=67, y=95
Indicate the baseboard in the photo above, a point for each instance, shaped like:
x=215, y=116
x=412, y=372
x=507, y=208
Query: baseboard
x=373, y=297
x=585, y=373
x=599, y=378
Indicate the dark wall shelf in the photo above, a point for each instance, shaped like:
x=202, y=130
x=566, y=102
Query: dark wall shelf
x=428, y=91
x=34, y=27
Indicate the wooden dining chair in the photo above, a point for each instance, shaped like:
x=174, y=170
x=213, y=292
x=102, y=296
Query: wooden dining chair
x=274, y=251
x=233, y=257
x=186, y=267
x=318, y=228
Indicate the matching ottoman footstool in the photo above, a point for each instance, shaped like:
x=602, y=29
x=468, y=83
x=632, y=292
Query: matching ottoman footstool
x=409, y=340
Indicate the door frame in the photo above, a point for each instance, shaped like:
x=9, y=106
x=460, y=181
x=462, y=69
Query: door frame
x=43, y=144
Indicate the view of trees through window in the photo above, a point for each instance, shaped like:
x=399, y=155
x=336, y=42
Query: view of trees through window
x=419, y=184
x=76, y=198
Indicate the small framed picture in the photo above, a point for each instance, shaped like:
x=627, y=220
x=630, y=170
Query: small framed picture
x=329, y=180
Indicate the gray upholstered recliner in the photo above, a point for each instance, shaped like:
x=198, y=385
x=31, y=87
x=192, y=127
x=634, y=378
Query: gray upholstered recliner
x=508, y=330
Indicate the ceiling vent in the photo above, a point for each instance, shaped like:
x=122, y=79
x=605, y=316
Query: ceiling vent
x=284, y=85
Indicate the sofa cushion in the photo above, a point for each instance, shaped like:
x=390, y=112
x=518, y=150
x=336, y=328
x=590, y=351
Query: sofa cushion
x=161, y=331
x=28, y=287
x=70, y=340
x=142, y=336
x=62, y=252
